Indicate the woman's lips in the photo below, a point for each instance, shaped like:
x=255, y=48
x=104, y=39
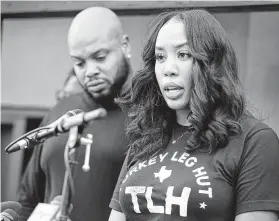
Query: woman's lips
x=173, y=91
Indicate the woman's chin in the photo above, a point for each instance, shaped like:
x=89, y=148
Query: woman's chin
x=176, y=105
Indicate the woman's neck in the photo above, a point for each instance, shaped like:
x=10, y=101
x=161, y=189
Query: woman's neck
x=182, y=117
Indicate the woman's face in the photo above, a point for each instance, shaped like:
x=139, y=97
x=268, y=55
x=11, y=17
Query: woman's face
x=173, y=65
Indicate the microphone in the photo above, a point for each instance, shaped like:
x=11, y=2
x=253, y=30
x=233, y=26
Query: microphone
x=31, y=142
x=81, y=119
x=47, y=212
x=62, y=125
x=67, y=115
x=55, y=127
x=10, y=211
x=67, y=123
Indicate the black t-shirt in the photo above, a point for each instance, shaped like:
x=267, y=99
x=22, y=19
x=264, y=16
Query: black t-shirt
x=176, y=185
x=44, y=176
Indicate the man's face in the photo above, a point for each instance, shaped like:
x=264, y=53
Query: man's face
x=99, y=64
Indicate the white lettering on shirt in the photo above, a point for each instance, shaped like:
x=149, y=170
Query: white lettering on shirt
x=208, y=192
x=134, y=190
x=142, y=164
x=199, y=172
x=152, y=161
x=173, y=157
x=170, y=200
x=134, y=169
x=150, y=204
x=203, y=183
x=126, y=177
x=181, y=201
x=183, y=157
x=162, y=157
x=190, y=161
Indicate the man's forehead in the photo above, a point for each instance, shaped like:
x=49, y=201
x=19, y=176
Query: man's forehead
x=85, y=36
x=87, y=25
x=91, y=35
x=87, y=47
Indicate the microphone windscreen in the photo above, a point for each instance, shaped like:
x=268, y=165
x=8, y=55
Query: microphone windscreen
x=9, y=215
x=95, y=114
x=11, y=205
x=74, y=112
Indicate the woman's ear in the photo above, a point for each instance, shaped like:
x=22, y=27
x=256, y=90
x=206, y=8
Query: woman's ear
x=126, y=46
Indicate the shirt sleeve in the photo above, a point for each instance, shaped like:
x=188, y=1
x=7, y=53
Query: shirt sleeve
x=114, y=203
x=257, y=187
x=32, y=186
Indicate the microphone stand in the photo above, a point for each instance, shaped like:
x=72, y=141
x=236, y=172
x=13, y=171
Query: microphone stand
x=70, y=156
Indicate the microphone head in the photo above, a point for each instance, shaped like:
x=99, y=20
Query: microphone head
x=102, y=112
x=58, y=123
x=11, y=205
x=95, y=114
x=74, y=112
x=9, y=215
x=63, y=117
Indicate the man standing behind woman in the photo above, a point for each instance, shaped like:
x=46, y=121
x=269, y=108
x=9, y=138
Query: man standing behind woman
x=101, y=53
x=196, y=154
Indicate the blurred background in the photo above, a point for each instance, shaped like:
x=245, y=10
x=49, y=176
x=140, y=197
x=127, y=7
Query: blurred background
x=35, y=60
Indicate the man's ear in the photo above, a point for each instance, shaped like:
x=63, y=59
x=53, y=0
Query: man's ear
x=126, y=46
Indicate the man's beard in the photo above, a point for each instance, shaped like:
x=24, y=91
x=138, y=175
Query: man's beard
x=115, y=90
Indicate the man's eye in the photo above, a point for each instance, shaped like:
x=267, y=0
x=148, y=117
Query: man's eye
x=184, y=55
x=160, y=57
x=100, y=58
x=79, y=64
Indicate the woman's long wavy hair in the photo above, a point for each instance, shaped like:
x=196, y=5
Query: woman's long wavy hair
x=216, y=97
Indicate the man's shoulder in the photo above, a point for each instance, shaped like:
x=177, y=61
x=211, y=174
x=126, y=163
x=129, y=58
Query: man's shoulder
x=80, y=100
x=72, y=102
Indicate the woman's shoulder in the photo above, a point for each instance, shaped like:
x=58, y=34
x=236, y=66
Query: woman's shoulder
x=257, y=136
x=252, y=126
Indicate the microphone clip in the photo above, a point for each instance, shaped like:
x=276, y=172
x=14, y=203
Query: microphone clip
x=33, y=142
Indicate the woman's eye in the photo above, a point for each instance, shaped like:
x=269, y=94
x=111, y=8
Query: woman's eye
x=160, y=57
x=184, y=55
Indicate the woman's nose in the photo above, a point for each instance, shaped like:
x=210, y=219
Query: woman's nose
x=171, y=68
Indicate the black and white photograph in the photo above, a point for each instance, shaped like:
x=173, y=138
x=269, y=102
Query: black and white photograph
x=140, y=110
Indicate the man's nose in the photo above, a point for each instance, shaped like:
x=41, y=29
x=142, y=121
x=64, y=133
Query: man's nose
x=92, y=70
x=171, y=68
